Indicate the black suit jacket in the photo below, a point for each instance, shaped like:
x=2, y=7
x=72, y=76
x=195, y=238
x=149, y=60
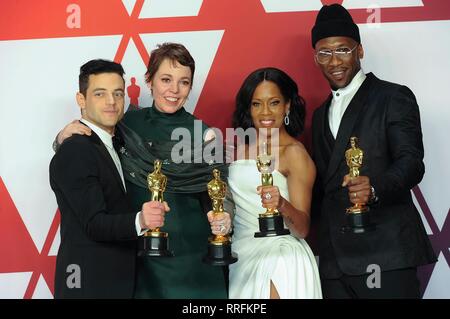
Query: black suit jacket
x=97, y=224
x=385, y=118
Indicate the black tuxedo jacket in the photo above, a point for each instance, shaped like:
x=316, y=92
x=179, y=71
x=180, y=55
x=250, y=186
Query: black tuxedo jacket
x=98, y=233
x=385, y=118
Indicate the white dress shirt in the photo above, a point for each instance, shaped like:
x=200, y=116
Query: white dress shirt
x=106, y=138
x=340, y=101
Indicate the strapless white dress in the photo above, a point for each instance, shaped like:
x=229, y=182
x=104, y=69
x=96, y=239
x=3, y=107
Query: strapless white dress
x=285, y=260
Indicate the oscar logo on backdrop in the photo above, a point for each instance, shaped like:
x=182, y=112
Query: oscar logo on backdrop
x=133, y=91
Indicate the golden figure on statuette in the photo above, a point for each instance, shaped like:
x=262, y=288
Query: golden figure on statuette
x=156, y=182
x=264, y=165
x=354, y=157
x=217, y=190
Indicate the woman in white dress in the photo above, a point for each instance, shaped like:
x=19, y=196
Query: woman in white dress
x=280, y=266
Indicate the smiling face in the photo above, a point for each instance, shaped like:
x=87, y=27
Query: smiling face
x=268, y=107
x=104, y=101
x=340, y=71
x=170, y=86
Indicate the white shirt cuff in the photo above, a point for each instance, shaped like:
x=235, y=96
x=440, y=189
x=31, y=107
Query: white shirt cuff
x=139, y=230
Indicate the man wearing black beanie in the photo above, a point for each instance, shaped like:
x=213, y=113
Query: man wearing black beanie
x=365, y=263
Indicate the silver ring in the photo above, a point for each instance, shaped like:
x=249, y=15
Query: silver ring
x=222, y=228
x=267, y=196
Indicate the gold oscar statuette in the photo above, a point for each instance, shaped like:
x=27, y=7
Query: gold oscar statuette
x=357, y=216
x=219, y=246
x=270, y=222
x=155, y=243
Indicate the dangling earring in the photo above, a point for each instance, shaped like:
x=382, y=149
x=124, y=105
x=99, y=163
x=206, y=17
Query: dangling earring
x=286, y=119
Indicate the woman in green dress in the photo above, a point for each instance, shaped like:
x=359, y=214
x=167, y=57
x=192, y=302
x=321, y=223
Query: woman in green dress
x=147, y=135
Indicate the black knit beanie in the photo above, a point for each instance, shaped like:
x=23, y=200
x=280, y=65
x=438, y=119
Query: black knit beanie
x=334, y=21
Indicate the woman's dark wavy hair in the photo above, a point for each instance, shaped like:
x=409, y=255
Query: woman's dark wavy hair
x=289, y=90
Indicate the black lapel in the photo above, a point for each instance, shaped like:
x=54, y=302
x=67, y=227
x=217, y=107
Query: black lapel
x=109, y=161
x=323, y=153
x=328, y=138
x=348, y=122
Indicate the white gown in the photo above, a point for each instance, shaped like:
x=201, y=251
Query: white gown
x=286, y=260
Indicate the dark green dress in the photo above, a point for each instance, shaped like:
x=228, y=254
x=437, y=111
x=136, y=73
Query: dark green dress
x=184, y=275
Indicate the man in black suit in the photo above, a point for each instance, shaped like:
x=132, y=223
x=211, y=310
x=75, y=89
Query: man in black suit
x=385, y=118
x=96, y=257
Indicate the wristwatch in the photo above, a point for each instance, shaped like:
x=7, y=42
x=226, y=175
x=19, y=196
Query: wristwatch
x=373, y=196
x=55, y=145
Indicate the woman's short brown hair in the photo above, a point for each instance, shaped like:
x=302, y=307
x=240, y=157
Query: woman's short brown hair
x=172, y=51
